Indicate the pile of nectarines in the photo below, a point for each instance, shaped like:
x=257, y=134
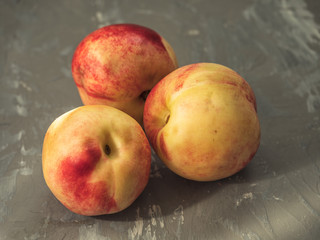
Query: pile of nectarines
x=201, y=120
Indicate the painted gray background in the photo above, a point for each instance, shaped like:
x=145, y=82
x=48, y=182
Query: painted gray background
x=274, y=45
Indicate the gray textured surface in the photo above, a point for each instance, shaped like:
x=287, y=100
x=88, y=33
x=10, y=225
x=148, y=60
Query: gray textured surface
x=274, y=45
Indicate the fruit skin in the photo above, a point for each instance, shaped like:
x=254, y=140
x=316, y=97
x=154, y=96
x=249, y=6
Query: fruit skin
x=83, y=176
x=202, y=121
x=118, y=64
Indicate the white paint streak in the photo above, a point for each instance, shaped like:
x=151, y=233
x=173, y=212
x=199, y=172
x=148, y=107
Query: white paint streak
x=193, y=32
x=26, y=171
x=135, y=232
x=34, y=236
x=3, y=147
x=31, y=152
x=110, y=16
x=66, y=51
x=277, y=198
x=152, y=228
x=28, y=152
x=101, y=18
x=25, y=86
x=87, y=232
x=149, y=234
x=292, y=40
x=309, y=88
x=20, y=100
x=250, y=236
x=178, y=217
x=301, y=25
x=66, y=72
x=156, y=216
x=305, y=32
x=19, y=74
x=297, y=26
x=21, y=110
x=15, y=84
x=21, y=106
x=245, y=196
x=17, y=137
x=7, y=189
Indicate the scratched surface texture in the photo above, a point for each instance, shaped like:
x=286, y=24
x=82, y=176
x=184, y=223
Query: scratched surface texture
x=274, y=45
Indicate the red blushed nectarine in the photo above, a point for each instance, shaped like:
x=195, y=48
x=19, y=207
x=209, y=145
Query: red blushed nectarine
x=96, y=160
x=117, y=65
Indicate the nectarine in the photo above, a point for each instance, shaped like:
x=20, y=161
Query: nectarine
x=117, y=65
x=96, y=160
x=202, y=121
